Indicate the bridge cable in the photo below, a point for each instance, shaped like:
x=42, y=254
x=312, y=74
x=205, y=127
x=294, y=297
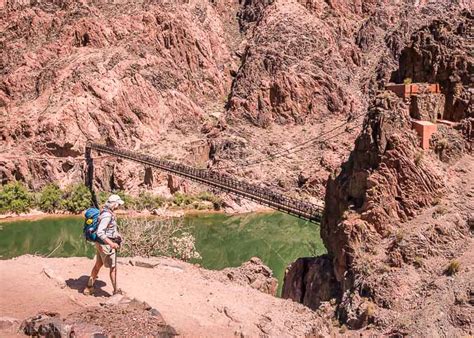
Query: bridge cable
x=306, y=144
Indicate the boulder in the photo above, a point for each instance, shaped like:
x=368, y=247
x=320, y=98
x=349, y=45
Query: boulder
x=310, y=281
x=47, y=324
x=51, y=274
x=255, y=274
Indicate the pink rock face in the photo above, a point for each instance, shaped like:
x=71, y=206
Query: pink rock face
x=244, y=78
x=128, y=75
x=389, y=205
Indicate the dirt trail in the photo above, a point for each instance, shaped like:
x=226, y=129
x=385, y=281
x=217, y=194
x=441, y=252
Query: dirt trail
x=194, y=301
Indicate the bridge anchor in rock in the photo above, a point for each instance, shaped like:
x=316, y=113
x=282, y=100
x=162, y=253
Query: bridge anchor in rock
x=221, y=181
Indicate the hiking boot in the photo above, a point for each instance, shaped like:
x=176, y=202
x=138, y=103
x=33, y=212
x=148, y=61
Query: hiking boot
x=119, y=292
x=89, y=291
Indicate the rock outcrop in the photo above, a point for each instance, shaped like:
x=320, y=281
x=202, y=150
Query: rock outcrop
x=441, y=52
x=382, y=181
x=310, y=281
x=130, y=74
x=396, y=219
x=194, y=81
x=255, y=274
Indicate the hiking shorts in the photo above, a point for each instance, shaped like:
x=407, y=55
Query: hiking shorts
x=106, y=254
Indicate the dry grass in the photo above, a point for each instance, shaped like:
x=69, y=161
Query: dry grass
x=418, y=262
x=453, y=268
x=371, y=309
x=441, y=210
x=418, y=158
x=157, y=237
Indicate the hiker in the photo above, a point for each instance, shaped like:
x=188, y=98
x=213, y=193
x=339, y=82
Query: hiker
x=106, y=253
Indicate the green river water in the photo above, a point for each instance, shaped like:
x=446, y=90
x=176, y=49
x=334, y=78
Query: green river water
x=222, y=240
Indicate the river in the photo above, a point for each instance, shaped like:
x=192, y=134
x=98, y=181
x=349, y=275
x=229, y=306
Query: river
x=222, y=240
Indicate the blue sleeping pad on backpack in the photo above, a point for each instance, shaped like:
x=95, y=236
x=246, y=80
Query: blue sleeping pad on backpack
x=91, y=223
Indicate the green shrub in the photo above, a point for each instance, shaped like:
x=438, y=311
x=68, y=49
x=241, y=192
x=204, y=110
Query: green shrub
x=216, y=200
x=418, y=158
x=50, y=198
x=183, y=200
x=418, y=262
x=14, y=197
x=102, y=197
x=77, y=198
x=148, y=201
x=129, y=201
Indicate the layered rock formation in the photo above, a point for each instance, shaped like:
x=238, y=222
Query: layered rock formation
x=396, y=218
x=135, y=75
x=219, y=83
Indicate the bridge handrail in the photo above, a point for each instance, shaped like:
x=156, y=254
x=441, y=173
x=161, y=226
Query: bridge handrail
x=222, y=181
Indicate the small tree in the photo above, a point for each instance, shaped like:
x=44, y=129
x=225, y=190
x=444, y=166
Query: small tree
x=14, y=197
x=77, y=198
x=50, y=198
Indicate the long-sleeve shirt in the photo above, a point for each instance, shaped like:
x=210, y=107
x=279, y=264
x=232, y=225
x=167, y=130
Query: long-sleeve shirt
x=107, y=225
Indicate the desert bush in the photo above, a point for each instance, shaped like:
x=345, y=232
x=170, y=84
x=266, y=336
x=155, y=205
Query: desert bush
x=407, y=81
x=182, y=200
x=217, y=202
x=50, y=198
x=418, y=262
x=14, y=197
x=129, y=201
x=418, y=158
x=102, y=197
x=157, y=237
x=185, y=200
x=453, y=267
x=184, y=247
x=440, y=210
x=400, y=236
x=147, y=201
x=76, y=198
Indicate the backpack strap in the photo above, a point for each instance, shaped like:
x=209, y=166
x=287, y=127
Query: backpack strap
x=104, y=211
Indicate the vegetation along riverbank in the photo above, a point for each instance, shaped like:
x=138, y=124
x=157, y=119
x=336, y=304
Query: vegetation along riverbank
x=16, y=199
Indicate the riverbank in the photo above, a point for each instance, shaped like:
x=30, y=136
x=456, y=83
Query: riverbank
x=221, y=240
x=194, y=301
x=35, y=214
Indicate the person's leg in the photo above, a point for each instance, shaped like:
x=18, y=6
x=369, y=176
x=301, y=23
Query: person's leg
x=94, y=273
x=96, y=268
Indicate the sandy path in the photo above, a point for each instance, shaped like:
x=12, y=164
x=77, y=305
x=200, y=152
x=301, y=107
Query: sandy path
x=190, y=299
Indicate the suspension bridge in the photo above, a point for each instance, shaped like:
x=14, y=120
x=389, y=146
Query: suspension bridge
x=212, y=178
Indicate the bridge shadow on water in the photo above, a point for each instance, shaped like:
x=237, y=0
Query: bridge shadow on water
x=80, y=283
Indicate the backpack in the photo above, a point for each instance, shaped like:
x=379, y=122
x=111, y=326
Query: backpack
x=91, y=223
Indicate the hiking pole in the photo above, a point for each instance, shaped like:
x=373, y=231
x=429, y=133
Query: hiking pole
x=115, y=272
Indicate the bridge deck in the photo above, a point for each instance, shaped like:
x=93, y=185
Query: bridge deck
x=221, y=181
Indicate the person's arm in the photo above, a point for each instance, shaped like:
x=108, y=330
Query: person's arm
x=104, y=222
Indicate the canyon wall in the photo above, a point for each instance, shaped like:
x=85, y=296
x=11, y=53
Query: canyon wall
x=210, y=83
x=397, y=217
